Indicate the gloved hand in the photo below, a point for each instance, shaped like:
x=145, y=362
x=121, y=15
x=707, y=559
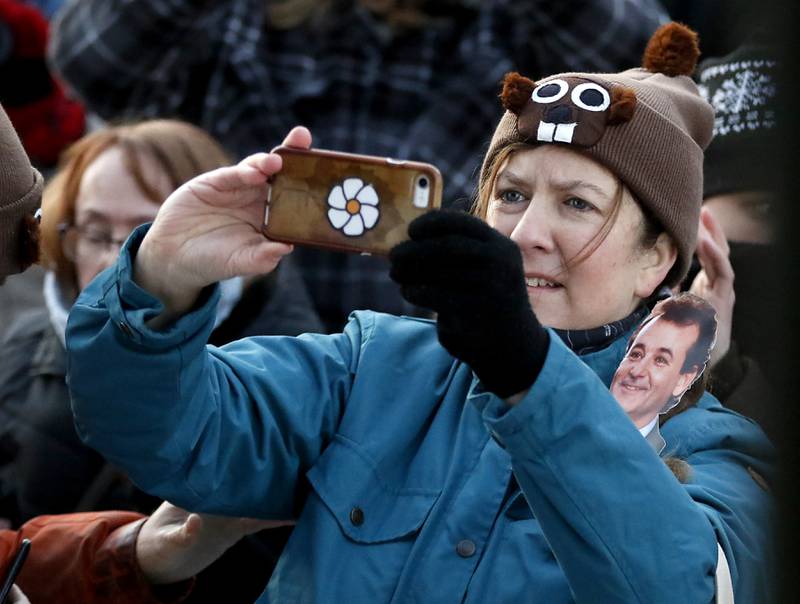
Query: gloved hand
x=472, y=276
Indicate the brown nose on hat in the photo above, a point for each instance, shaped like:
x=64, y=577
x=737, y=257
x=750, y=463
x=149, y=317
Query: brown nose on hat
x=20, y=197
x=648, y=125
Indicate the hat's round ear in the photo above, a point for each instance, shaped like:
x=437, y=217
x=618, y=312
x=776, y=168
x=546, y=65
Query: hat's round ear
x=516, y=92
x=673, y=51
x=623, y=104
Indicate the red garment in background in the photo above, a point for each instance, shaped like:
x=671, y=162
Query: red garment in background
x=84, y=558
x=45, y=119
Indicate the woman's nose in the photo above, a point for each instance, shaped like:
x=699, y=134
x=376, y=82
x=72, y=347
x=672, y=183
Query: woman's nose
x=533, y=231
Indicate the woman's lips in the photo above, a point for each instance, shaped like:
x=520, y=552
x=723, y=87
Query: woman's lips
x=542, y=283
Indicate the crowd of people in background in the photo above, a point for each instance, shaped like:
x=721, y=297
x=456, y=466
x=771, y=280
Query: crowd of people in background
x=572, y=404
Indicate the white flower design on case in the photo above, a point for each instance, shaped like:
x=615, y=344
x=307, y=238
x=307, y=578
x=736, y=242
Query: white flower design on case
x=353, y=207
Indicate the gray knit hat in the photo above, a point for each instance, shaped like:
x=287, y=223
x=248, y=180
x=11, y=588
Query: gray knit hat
x=647, y=125
x=20, y=197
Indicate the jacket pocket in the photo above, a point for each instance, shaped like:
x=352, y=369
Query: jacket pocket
x=367, y=509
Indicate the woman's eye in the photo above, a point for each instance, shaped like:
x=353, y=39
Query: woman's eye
x=511, y=196
x=576, y=203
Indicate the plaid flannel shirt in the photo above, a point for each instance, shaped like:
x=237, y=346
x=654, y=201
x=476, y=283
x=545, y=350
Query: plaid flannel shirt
x=427, y=94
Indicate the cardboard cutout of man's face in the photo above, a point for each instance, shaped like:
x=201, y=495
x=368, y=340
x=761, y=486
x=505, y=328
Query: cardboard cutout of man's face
x=667, y=354
x=652, y=377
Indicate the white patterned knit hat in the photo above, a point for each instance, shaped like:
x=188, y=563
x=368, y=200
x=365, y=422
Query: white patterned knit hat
x=741, y=87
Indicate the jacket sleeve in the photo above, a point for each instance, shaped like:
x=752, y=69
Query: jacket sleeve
x=134, y=57
x=621, y=526
x=223, y=430
x=84, y=559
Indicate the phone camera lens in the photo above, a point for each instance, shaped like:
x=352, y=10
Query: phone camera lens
x=423, y=182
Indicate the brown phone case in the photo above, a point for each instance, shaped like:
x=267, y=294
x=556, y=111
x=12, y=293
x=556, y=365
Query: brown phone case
x=347, y=202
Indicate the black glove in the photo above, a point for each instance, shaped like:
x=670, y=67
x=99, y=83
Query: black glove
x=472, y=276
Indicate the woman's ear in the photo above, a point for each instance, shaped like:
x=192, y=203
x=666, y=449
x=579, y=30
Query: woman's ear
x=655, y=262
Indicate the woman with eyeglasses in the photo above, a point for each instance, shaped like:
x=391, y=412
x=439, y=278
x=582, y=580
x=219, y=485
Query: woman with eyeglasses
x=108, y=183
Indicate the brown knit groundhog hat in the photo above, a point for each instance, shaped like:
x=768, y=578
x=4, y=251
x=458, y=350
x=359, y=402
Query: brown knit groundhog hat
x=20, y=197
x=648, y=125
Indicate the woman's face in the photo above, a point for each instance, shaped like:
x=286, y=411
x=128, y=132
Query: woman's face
x=110, y=205
x=552, y=202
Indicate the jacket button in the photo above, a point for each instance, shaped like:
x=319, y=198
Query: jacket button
x=357, y=516
x=125, y=328
x=465, y=548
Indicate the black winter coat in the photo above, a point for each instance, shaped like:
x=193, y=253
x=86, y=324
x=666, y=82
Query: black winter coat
x=46, y=469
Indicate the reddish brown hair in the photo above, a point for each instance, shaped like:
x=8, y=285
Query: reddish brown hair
x=181, y=150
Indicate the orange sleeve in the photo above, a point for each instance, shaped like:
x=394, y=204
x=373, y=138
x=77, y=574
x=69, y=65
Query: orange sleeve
x=84, y=558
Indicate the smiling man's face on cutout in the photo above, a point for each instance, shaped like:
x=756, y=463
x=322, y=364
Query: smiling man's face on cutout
x=652, y=373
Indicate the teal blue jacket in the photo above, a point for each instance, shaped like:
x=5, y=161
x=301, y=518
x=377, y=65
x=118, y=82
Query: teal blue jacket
x=410, y=483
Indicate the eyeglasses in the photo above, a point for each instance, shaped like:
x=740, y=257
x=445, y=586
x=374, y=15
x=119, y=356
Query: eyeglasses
x=87, y=242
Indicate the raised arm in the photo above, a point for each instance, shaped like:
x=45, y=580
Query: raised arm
x=620, y=525
x=227, y=430
x=221, y=430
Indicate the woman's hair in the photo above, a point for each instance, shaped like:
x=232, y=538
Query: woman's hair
x=651, y=229
x=180, y=150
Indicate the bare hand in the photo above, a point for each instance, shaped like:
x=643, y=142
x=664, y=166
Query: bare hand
x=714, y=282
x=174, y=545
x=209, y=229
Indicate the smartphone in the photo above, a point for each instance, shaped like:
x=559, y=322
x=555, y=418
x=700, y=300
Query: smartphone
x=349, y=202
x=13, y=571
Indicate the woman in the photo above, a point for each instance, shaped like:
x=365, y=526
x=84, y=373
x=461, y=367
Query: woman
x=476, y=458
x=97, y=556
x=110, y=182
x=349, y=69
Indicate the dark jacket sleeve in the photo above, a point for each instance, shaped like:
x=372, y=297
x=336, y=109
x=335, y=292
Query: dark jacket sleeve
x=44, y=467
x=84, y=558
